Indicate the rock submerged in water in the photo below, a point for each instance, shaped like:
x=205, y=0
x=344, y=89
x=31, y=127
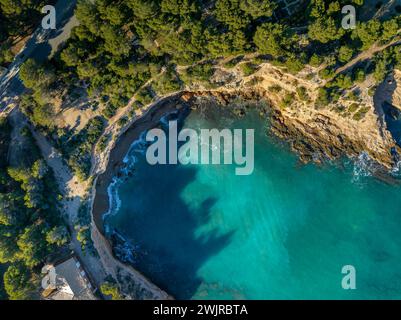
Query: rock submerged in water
x=240, y=112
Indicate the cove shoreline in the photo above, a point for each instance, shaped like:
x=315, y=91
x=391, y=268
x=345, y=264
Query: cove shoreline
x=147, y=121
x=99, y=197
x=280, y=127
x=104, y=242
x=120, y=150
x=283, y=128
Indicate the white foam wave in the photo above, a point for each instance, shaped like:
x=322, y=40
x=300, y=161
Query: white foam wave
x=363, y=167
x=396, y=170
x=114, y=197
x=138, y=146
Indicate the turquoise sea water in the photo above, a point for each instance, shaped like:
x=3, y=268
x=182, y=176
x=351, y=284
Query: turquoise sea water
x=284, y=232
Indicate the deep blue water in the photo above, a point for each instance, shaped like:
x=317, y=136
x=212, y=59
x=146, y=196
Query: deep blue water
x=285, y=231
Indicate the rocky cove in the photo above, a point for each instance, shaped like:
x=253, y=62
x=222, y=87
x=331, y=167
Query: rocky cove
x=187, y=224
x=315, y=135
x=316, y=138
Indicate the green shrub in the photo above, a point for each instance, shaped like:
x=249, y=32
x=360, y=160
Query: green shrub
x=167, y=83
x=315, y=60
x=254, y=81
x=372, y=91
x=323, y=98
x=112, y=290
x=122, y=121
x=361, y=113
x=294, y=64
x=6, y=55
x=343, y=81
x=380, y=71
x=200, y=72
x=326, y=73
x=338, y=108
x=274, y=88
x=360, y=75
x=335, y=96
x=17, y=282
x=353, y=107
x=109, y=111
x=345, y=54
x=302, y=94
x=287, y=100
x=248, y=68
x=79, y=148
x=102, y=144
x=353, y=96
x=144, y=96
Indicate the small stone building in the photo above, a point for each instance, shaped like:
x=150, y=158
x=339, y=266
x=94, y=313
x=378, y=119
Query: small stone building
x=66, y=280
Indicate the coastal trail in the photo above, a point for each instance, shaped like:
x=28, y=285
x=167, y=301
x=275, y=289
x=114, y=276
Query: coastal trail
x=366, y=54
x=73, y=193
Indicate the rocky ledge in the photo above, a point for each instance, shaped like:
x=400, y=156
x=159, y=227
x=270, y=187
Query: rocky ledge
x=317, y=138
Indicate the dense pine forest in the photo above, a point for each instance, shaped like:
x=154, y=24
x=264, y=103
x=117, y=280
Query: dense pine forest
x=17, y=20
x=120, y=45
x=30, y=223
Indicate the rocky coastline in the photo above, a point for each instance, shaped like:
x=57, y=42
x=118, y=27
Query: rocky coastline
x=316, y=140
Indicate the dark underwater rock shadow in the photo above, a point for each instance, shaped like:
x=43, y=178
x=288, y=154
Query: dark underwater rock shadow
x=163, y=229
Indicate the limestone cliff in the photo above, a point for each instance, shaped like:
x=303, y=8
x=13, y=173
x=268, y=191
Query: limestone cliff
x=351, y=125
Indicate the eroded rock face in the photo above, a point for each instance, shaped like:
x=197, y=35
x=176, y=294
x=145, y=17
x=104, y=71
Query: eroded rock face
x=318, y=140
x=349, y=126
x=317, y=136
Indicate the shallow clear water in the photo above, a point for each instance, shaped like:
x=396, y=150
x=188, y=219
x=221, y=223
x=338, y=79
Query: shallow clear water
x=285, y=231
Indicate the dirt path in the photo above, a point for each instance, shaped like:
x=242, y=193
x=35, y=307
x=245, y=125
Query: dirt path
x=73, y=192
x=366, y=54
x=71, y=188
